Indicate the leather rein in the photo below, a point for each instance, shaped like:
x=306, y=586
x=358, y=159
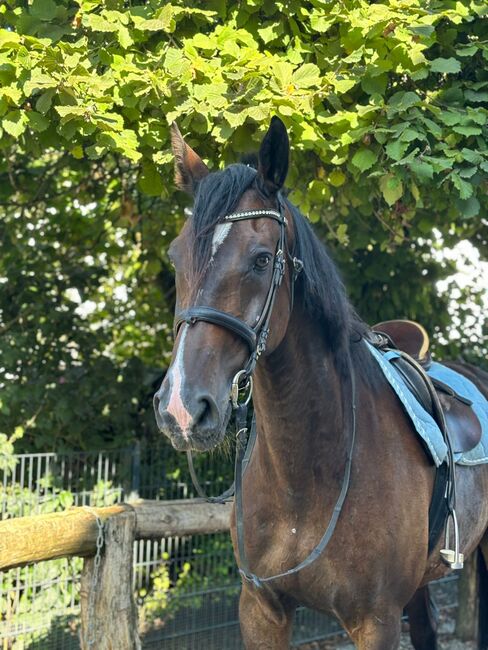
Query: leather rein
x=256, y=339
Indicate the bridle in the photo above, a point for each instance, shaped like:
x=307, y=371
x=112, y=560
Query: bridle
x=256, y=338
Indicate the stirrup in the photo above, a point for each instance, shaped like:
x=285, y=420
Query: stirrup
x=453, y=558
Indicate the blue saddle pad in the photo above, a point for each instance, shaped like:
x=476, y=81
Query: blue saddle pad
x=423, y=422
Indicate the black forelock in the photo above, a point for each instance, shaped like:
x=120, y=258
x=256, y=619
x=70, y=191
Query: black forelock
x=216, y=195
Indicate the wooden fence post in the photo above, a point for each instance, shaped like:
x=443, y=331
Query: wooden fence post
x=109, y=613
x=467, y=614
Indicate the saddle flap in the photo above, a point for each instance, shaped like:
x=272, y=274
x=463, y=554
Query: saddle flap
x=463, y=426
x=462, y=422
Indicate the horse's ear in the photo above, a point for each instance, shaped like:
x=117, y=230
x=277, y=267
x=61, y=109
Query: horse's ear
x=273, y=157
x=189, y=167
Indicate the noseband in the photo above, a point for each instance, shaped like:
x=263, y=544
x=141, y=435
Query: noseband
x=255, y=337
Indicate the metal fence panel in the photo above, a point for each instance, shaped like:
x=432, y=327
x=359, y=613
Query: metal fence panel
x=187, y=587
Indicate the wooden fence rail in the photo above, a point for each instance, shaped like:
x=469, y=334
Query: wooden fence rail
x=25, y=540
x=108, y=610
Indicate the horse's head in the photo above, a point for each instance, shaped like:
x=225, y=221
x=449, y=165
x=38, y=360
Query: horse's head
x=231, y=305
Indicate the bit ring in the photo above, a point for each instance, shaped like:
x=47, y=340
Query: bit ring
x=236, y=389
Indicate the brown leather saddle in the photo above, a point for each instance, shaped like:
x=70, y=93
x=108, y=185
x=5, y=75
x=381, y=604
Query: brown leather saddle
x=463, y=426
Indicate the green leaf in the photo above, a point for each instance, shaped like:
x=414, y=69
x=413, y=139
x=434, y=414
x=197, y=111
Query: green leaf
x=306, y=76
x=343, y=85
x=15, y=123
x=44, y=9
x=341, y=234
x=477, y=115
x=108, y=121
x=467, y=50
x=125, y=39
x=465, y=189
x=422, y=30
x=283, y=73
x=337, y=178
x=150, y=180
x=258, y=113
x=364, y=159
x=433, y=127
x=11, y=92
x=471, y=156
x=409, y=135
x=468, y=172
x=415, y=192
x=8, y=38
x=43, y=104
x=468, y=207
x=396, y=149
x=320, y=22
x=125, y=141
x=401, y=101
x=95, y=151
x=374, y=85
x=204, y=42
x=450, y=117
x=39, y=81
x=167, y=15
x=154, y=25
x=270, y=32
x=423, y=170
x=476, y=96
x=439, y=163
x=391, y=187
x=467, y=130
x=213, y=93
x=446, y=66
x=77, y=152
x=37, y=121
x=71, y=112
x=99, y=24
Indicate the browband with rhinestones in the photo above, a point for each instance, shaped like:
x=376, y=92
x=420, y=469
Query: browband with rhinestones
x=249, y=214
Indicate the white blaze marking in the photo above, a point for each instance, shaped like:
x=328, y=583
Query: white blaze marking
x=175, y=404
x=220, y=235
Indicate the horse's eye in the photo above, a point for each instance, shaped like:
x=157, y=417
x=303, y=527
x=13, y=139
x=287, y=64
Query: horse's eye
x=262, y=262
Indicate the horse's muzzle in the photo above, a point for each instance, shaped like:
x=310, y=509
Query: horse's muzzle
x=195, y=423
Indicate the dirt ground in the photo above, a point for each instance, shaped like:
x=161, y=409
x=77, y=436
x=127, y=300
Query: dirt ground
x=447, y=640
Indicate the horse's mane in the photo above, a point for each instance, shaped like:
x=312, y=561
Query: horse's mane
x=319, y=285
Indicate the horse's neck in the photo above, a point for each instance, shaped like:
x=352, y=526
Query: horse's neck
x=299, y=409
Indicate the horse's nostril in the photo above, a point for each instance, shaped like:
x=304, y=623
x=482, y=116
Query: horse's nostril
x=207, y=414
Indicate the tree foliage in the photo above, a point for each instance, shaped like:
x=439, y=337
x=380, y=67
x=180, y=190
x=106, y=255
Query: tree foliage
x=386, y=105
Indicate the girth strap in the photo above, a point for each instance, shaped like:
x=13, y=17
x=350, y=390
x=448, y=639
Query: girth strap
x=221, y=318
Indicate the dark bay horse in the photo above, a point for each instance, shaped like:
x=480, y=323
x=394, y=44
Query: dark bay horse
x=377, y=562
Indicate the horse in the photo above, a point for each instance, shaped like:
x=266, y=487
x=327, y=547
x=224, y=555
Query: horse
x=259, y=295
